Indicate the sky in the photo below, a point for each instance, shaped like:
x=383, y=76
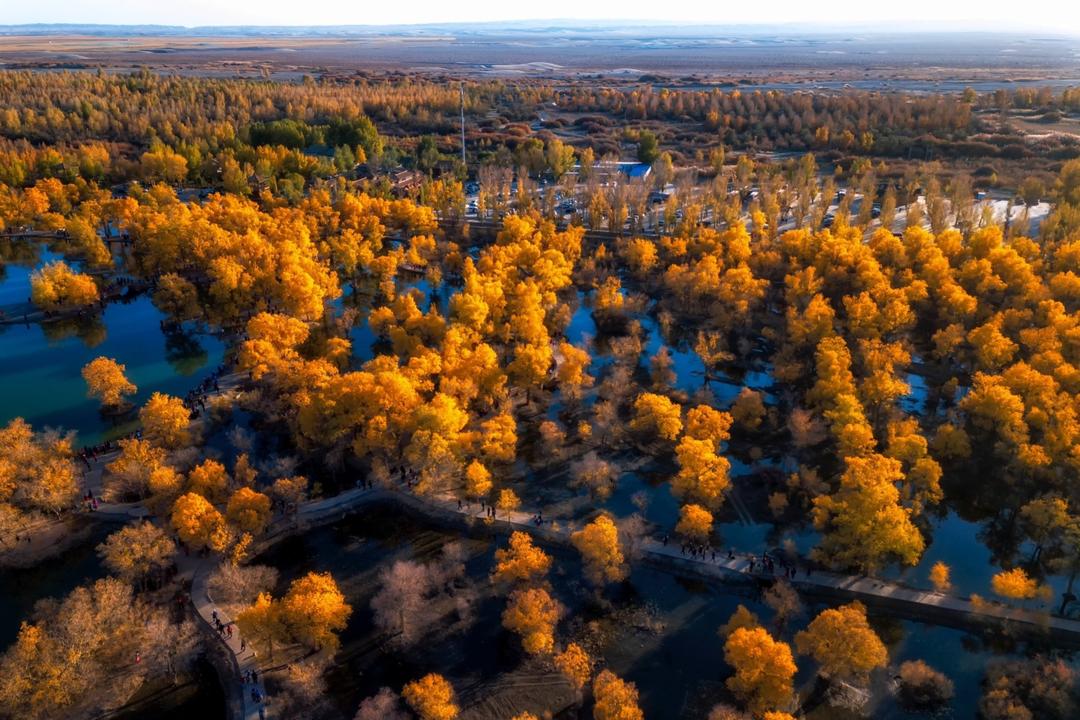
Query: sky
x=1061, y=16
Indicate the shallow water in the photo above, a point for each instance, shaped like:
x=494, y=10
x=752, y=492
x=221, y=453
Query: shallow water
x=952, y=539
x=53, y=578
x=676, y=672
x=41, y=366
x=679, y=670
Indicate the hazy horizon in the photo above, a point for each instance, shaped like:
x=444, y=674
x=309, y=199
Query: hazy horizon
x=841, y=27
x=924, y=16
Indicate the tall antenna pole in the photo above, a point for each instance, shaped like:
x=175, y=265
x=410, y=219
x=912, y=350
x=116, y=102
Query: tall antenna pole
x=462, y=88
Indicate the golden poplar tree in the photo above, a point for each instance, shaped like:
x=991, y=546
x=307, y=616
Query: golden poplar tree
x=521, y=561
x=598, y=543
x=764, y=669
x=431, y=697
x=198, y=524
x=843, y=643
x=532, y=614
x=105, y=380
x=616, y=699
x=165, y=421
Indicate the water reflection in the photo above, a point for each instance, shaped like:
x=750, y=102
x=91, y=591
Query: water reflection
x=184, y=352
x=658, y=630
x=41, y=365
x=89, y=329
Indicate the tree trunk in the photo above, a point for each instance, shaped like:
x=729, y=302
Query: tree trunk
x=1068, y=597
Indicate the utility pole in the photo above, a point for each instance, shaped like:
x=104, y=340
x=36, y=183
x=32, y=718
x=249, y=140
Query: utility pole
x=461, y=86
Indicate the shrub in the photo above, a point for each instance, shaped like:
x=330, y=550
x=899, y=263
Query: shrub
x=921, y=686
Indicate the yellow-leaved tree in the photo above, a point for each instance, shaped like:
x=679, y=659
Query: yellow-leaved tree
x=939, y=576
x=508, y=501
x=262, y=623
x=165, y=421
x=498, y=438
x=431, y=697
x=57, y=287
x=703, y=472
x=695, y=523
x=271, y=344
x=137, y=551
x=521, y=562
x=657, y=415
x=105, y=380
x=864, y=523
x=133, y=472
x=37, y=471
x=209, y=479
x=764, y=669
x=198, y=524
x=572, y=370
x=477, y=480
x=312, y=612
x=843, y=643
x=616, y=699
x=575, y=665
x=1018, y=585
x=532, y=614
x=248, y=510
x=598, y=543
x=315, y=611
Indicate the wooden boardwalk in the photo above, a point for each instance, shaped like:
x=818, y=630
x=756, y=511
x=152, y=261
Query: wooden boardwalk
x=445, y=508
x=914, y=601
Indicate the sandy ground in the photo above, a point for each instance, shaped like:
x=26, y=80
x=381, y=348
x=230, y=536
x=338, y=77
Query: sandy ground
x=554, y=53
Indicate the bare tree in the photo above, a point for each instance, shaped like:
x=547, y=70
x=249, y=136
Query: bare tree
x=241, y=584
x=784, y=601
x=383, y=705
x=806, y=429
x=242, y=439
x=401, y=601
x=595, y=474
x=633, y=531
x=302, y=692
x=449, y=568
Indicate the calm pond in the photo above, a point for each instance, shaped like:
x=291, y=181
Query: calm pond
x=41, y=365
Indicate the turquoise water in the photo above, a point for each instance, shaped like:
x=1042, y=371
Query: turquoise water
x=41, y=366
x=21, y=261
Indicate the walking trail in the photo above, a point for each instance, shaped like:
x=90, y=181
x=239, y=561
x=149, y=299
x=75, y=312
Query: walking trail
x=652, y=551
x=446, y=508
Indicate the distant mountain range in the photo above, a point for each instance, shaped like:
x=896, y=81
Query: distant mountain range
x=568, y=27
